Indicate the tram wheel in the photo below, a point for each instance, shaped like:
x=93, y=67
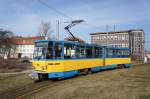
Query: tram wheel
x=120, y=66
x=89, y=71
x=84, y=71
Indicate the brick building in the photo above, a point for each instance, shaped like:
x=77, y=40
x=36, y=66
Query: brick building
x=25, y=46
x=133, y=39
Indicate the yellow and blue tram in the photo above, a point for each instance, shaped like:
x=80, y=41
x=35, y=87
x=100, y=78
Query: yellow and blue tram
x=64, y=59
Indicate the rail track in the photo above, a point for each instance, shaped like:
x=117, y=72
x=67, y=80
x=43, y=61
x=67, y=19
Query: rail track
x=15, y=75
x=30, y=89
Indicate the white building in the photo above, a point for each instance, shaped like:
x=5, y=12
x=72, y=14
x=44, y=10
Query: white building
x=25, y=46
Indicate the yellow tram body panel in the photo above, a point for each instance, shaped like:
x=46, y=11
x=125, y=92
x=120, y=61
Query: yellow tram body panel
x=110, y=61
x=82, y=64
x=48, y=66
x=66, y=65
x=76, y=64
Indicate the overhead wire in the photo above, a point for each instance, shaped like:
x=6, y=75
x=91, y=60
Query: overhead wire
x=55, y=10
x=61, y=13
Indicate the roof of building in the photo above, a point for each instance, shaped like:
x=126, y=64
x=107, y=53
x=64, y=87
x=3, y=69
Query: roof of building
x=113, y=32
x=27, y=40
x=147, y=52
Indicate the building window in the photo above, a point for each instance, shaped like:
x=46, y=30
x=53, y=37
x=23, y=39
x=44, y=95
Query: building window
x=123, y=45
x=104, y=37
x=118, y=37
x=127, y=37
x=101, y=37
x=24, y=50
x=123, y=37
x=27, y=50
x=95, y=37
x=111, y=37
x=108, y=37
x=115, y=37
x=134, y=49
x=127, y=45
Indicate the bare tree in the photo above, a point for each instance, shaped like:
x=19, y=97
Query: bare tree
x=45, y=30
x=6, y=43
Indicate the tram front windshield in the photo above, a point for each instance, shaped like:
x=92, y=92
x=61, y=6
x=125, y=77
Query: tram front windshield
x=42, y=50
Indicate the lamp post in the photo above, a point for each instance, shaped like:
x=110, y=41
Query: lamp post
x=57, y=29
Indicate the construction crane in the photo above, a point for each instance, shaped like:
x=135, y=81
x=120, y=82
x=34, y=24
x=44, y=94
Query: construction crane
x=73, y=38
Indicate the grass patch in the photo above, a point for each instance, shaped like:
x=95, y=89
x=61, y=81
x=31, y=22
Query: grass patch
x=13, y=81
x=129, y=83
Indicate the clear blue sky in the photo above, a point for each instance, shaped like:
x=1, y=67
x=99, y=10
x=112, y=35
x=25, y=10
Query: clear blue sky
x=23, y=17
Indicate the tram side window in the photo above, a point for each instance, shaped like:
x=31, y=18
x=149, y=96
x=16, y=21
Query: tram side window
x=96, y=52
x=118, y=53
x=80, y=52
x=126, y=53
x=109, y=52
x=88, y=52
x=114, y=53
x=122, y=53
x=69, y=51
x=58, y=51
x=49, y=54
x=100, y=52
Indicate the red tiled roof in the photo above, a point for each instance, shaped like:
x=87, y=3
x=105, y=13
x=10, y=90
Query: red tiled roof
x=27, y=40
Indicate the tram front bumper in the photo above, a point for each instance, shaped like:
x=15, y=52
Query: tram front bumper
x=34, y=76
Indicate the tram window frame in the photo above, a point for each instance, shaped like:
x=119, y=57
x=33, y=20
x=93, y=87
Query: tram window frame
x=122, y=53
x=80, y=51
x=115, y=53
x=67, y=51
x=96, y=52
x=109, y=52
x=50, y=51
x=89, y=53
x=106, y=52
x=128, y=53
x=118, y=54
x=100, y=52
x=58, y=49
